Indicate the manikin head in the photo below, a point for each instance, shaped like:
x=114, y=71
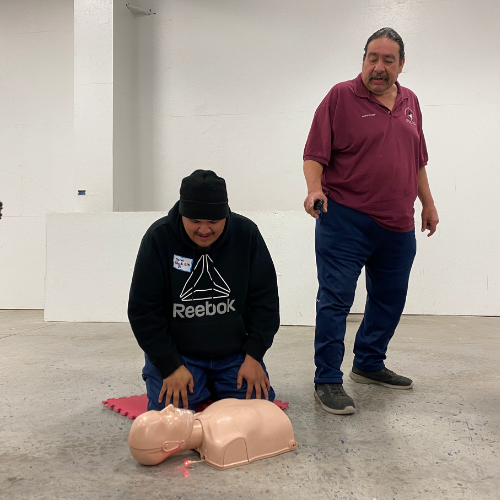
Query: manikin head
x=203, y=206
x=155, y=435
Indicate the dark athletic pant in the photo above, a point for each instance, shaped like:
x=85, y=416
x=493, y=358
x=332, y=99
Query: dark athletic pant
x=347, y=240
x=220, y=375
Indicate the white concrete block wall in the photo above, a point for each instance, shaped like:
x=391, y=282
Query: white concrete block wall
x=236, y=87
x=125, y=97
x=90, y=259
x=36, y=139
x=151, y=70
x=93, y=105
x=233, y=86
x=90, y=262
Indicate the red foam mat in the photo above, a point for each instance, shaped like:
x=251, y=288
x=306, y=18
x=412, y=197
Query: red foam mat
x=133, y=406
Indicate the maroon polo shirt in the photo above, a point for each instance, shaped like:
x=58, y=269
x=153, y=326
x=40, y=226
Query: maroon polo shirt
x=371, y=156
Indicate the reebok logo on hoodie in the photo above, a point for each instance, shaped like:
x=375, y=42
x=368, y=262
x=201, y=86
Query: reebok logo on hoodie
x=207, y=309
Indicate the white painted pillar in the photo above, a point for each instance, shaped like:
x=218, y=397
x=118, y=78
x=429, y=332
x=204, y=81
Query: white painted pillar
x=93, y=105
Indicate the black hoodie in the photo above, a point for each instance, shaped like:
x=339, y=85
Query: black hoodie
x=203, y=303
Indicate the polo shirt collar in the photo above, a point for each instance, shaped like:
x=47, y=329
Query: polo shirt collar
x=361, y=91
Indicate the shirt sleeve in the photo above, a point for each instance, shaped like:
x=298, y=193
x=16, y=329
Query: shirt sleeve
x=319, y=141
x=146, y=309
x=261, y=316
x=423, y=156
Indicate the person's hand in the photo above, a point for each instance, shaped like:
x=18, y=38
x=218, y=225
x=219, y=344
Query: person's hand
x=175, y=384
x=430, y=219
x=251, y=370
x=311, y=199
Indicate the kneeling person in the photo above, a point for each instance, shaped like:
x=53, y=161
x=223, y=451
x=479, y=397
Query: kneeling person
x=203, y=303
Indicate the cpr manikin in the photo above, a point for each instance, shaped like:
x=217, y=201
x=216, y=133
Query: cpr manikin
x=228, y=433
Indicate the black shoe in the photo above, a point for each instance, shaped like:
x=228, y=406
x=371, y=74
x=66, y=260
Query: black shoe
x=384, y=377
x=333, y=399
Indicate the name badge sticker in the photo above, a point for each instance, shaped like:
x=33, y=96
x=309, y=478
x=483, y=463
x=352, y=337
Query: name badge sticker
x=183, y=263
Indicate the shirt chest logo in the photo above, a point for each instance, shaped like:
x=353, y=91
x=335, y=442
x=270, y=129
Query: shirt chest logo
x=410, y=116
x=205, y=282
x=183, y=263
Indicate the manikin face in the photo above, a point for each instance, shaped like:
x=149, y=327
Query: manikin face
x=381, y=66
x=203, y=232
x=164, y=430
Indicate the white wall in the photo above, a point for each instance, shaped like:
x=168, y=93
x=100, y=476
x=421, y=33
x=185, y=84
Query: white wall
x=93, y=105
x=36, y=139
x=134, y=75
x=236, y=85
x=125, y=105
x=90, y=261
x=233, y=86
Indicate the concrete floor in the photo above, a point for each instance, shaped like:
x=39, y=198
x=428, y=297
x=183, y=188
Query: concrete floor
x=437, y=441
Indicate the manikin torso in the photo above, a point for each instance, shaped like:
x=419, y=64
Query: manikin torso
x=228, y=433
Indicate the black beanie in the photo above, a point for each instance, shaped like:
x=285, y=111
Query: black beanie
x=203, y=196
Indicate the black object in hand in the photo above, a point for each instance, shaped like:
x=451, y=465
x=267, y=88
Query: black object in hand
x=318, y=204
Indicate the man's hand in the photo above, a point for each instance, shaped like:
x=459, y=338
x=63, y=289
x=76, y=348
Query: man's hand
x=251, y=370
x=176, y=384
x=312, y=173
x=430, y=219
x=311, y=199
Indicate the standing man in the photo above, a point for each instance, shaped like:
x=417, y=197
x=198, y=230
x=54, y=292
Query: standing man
x=204, y=303
x=365, y=159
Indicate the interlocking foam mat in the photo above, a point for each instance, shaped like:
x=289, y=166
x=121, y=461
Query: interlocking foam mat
x=133, y=406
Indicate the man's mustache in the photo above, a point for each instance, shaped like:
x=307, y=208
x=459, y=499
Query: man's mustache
x=384, y=75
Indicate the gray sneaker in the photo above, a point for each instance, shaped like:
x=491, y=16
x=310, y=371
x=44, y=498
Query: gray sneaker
x=384, y=377
x=333, y=399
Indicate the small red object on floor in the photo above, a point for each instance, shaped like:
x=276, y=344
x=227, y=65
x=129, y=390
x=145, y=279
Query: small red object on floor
x=281, y=404
x=133, y=406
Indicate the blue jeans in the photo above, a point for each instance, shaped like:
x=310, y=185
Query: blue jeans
x=347, y=240
x=220, y=374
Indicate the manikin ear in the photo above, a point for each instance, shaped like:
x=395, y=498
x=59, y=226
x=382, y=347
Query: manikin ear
x=169, y=446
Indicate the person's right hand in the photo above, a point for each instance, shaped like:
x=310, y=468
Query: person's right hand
x=311, y=199
x=177, y=383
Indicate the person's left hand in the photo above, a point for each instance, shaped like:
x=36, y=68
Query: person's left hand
x=251, y=370
x=430, y=219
